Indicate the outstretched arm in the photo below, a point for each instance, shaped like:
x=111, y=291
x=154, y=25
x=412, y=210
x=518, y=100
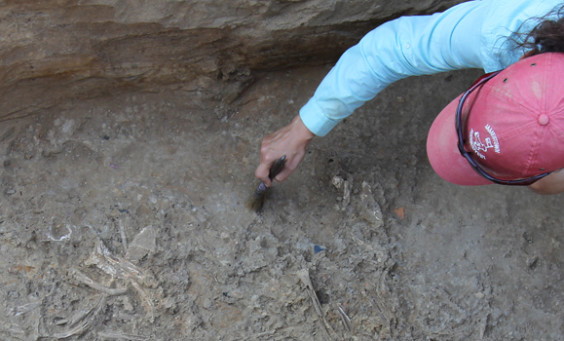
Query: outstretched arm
x=464, y=36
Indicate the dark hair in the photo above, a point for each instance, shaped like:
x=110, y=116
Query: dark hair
x=547, y=36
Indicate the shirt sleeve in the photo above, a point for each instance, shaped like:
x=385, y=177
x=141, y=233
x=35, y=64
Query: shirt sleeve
x=464, y=36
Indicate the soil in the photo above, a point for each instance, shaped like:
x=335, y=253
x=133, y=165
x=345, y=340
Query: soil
x=124, y=218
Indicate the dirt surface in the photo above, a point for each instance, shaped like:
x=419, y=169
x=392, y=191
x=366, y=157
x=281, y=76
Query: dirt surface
x=123, y=218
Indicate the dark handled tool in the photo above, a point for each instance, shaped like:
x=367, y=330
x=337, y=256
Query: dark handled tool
x=259, y=195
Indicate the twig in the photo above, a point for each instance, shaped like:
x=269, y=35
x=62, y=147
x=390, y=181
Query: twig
x=123, y=236
x=145, y=298
x=303, y=275
x=26, y=308
x=345, y=318
x=82, y=323
x=117, y=266
x=95, y=285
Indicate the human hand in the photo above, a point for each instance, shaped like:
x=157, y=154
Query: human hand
x=291, y=141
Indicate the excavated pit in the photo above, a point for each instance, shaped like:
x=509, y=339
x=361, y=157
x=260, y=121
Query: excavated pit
x=123, y=218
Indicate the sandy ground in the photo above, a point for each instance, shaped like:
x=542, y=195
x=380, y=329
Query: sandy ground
x=123, y=218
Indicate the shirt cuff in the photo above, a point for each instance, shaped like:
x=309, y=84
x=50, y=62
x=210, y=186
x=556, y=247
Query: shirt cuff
x=314, y=120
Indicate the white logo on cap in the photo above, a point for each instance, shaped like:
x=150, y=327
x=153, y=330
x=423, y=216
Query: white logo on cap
x=481, y=147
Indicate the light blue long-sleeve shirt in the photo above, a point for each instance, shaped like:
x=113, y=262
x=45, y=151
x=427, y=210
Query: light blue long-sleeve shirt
x=473, y=34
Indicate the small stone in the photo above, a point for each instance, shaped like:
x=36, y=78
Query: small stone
x=143, y=244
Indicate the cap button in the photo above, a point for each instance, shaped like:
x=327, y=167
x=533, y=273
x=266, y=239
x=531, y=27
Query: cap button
x=543, y=119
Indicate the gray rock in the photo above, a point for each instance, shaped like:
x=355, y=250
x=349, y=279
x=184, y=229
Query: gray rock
x=144, y=243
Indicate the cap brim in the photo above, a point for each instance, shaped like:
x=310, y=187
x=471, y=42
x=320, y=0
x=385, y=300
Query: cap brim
x=443, y=154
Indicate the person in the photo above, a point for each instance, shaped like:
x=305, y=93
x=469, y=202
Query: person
x=507, y=129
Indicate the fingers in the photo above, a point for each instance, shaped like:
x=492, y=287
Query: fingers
x=290, y=166
x=262, y=173
x=267, y=159
x=284, y=174
x=291, y=141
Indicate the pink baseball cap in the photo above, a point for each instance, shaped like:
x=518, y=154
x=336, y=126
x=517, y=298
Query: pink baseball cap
x=512, y=125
